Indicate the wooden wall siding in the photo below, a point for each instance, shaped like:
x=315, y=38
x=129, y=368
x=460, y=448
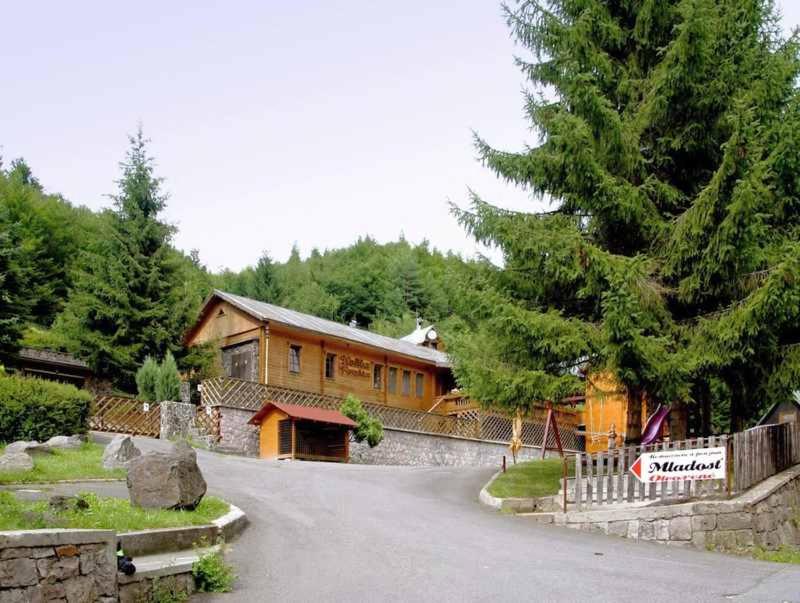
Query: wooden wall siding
x=356, y=378
x=230, y=327
x=268, y=437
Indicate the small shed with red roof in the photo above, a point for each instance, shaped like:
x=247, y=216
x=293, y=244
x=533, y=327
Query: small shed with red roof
x=291, y=431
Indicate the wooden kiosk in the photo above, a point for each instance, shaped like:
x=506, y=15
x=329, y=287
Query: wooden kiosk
x=290, y=431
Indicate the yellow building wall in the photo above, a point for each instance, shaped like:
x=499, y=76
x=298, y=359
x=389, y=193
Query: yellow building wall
x=352, y=373
x=268, y=437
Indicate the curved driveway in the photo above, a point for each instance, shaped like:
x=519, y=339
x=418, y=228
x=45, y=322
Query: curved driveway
x=327, y=532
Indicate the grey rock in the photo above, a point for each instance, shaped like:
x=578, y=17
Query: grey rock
x=680, y=528
x=80, y=589
x=166, y=480
x=29, y=447
x=16, y=461
x=18, y=572
x=119, y=452
x=73, y=441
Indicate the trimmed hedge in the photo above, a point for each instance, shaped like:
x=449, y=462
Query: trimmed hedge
x=34, y=409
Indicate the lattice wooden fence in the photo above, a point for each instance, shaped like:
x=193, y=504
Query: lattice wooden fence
x=491, y=427
x=125, y=415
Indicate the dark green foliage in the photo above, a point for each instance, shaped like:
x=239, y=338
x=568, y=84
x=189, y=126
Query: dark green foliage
x=34, y=409
x=146, y=379
x=168, y=383
x=369, y=428
x=212, y=574
x=131, y=297
x=668, y=149
x=378, y=286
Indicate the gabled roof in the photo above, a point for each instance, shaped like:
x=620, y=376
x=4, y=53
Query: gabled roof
x=795, y=400
x=307, y=413
x=271, y=313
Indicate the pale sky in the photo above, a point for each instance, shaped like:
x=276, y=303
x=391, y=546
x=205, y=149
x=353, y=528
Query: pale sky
x=271, y=122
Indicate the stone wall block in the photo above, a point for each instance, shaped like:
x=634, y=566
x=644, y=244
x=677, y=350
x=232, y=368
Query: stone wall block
x=734, y=521
x=680, y=528
x=662, y=529
x=699, y=539
x=618, y=528
x=704, y=522
x=647, y=530
x=18, y=572
x=744, y=539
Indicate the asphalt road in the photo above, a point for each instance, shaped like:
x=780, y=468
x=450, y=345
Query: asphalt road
x=327, y=532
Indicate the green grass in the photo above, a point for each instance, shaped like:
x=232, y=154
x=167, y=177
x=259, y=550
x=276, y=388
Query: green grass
x=85, y=462
x=104, y=513
x=784, y=555
x=530, y=479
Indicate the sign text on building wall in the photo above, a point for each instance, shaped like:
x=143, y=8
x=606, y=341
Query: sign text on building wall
x=353, y=367
x=681, y=465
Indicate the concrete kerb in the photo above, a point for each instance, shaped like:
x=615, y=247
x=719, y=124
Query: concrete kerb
x=164, y=540
x=515, y=505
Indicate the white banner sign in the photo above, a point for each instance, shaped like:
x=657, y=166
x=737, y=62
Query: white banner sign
x=680, y=465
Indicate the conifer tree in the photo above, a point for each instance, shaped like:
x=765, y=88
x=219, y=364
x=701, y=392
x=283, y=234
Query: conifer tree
x=265, y=281
x=127, y=302
x=668, y=149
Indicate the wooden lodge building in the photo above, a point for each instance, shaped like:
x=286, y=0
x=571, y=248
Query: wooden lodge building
x=275, y=346
x=313, y=361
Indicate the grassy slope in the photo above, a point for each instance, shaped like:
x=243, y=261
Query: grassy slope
x=103, y=513
x=82, y=463
x=530, y=479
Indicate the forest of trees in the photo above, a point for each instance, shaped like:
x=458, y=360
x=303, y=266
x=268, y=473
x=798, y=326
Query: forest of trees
x=669, y=146
x=111, y=288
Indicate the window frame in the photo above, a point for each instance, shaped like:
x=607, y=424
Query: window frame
x=297, y=350
x=392, y=380
x=330, y=356
x=419, y=385
x=405, y=388
x=377, y=371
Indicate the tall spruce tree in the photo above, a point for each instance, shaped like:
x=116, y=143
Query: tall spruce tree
x=669, y=149
x=127, y=302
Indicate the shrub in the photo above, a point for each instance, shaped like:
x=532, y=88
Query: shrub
x=146, y=378
x=212, y=574
x=368, y=428
x=34, y=409
x=168, y=384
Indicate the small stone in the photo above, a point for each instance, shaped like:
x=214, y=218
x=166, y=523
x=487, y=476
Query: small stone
x=662, y=529
x=67, y=550
x=119, y=452
x=54, y=590
x=16, y=461
x=59, y=503
x=28, y=447
x=22, y=595
x=699, y=539
x=73, y=441
x=744, y=538
x=58, y=569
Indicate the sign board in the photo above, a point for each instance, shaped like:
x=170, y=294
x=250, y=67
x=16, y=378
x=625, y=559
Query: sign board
x=681, y=465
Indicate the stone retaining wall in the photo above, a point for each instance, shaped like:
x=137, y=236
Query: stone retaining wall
x=58, y=565
x=767, y=516
x=399, y=447
x=410, y=448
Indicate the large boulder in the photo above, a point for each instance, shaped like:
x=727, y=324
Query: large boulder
x=166, y=480
x=29, y=447
x=16, y=461
x=119, y=452
x=73, y=441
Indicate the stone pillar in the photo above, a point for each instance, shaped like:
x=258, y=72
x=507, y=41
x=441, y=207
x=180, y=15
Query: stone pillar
x=177, y=419
x=186, y=392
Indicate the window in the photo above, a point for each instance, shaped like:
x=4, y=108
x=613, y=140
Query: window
x=330, y=366
x=239, y=365
x=377, y=376
x=406, y=383
x=294, y=358
x=392, y=380
x=419, y=385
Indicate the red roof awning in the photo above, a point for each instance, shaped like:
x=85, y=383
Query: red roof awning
x=307, y=413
